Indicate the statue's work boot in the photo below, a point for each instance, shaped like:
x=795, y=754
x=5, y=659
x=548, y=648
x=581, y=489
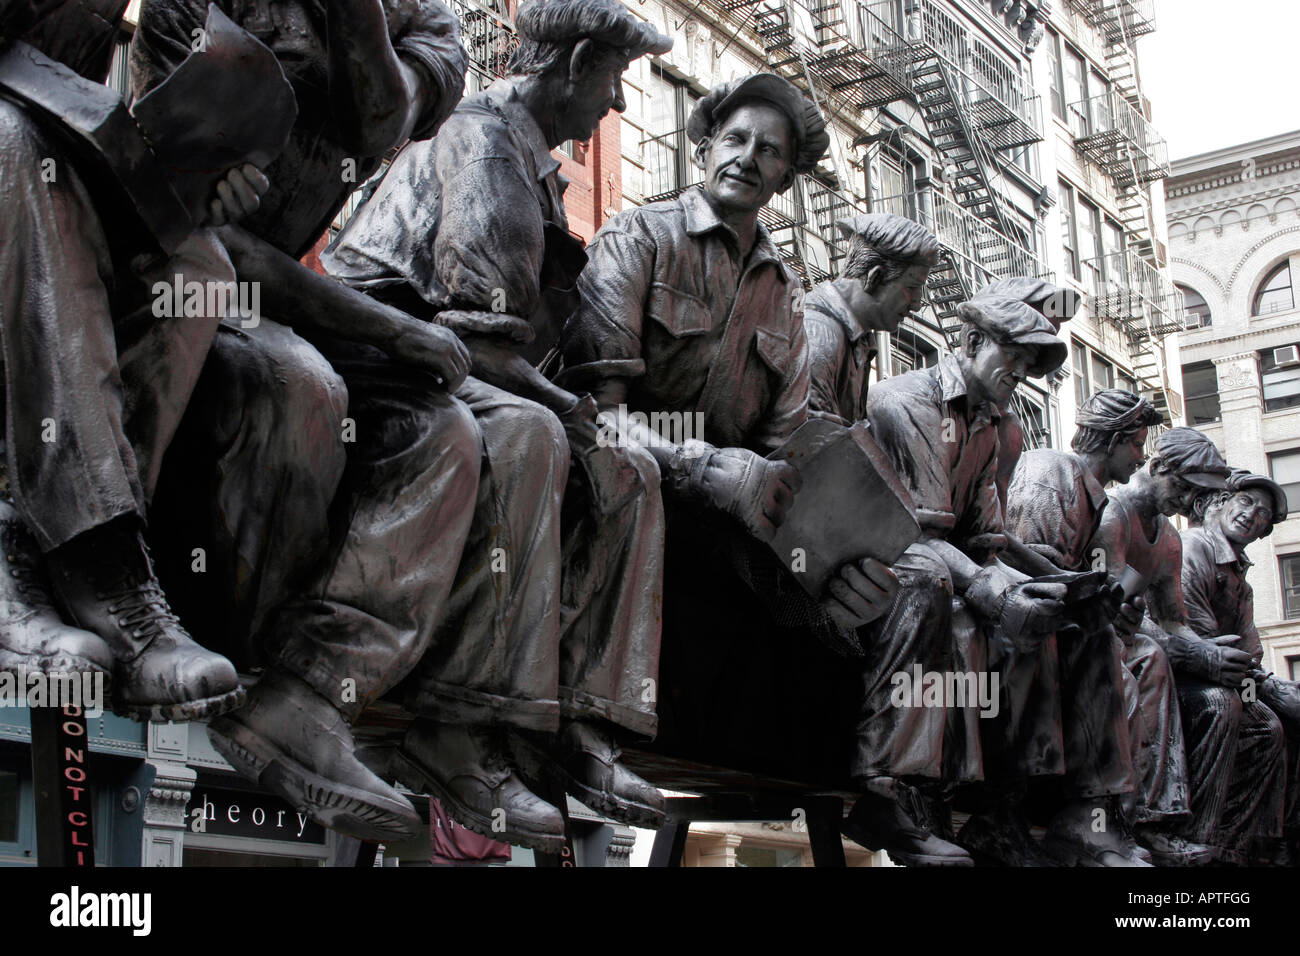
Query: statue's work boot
x=1072, y=840
x=900, y=827
x=1001, y=837
x=591, y=767
x=1169, y=849
x=105, y=583
x=32, y=635
x=465, y=769
x=294, y=742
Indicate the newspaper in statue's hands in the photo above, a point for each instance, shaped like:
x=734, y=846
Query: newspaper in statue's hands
x=852, y=504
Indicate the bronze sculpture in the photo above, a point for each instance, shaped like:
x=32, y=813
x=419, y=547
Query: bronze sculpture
x=882, y=281
x=468, y=230
x=101, y=383
x=1240, y=811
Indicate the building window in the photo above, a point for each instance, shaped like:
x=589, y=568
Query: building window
x=1285, y=469
x=667, y=152
x=1201, y=386
x=1088, y=226
x=1057, y=76
x=1280, y=379
x=1198, y=312
x=1080, y=359
x=1069, y=240
x=1290, y=570
x=910, y=351
x=1293, y=667
x=1076, y=92
x=1275, y=293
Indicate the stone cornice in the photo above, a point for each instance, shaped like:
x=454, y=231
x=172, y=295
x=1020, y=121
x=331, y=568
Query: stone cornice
x=1185, y=213
x=1240, y=338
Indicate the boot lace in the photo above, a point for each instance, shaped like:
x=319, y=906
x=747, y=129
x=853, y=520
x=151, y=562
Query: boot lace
x=24, y=565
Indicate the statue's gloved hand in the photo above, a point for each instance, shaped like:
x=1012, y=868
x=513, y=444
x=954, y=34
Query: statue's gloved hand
x=751, y=489
x=1026, y=609
x=859, y=593
x=434, y=348
x=239, y=194
x=1129, y=619
x=611, y=477
x=1224, y=664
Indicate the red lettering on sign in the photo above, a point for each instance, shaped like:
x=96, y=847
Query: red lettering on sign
x=69, y=771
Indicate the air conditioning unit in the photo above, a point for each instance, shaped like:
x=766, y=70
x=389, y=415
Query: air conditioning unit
x=1286, y=356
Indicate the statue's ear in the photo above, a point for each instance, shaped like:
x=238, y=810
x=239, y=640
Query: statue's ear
x=583, y=58
x=699, y=153
x=875, y=278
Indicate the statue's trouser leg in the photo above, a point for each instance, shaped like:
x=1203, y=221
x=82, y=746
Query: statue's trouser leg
x=896, y=735
x=1292, y=813
x=71, y=464
x=1212, y=719
x=401, y=520
x=611, y=605
x=1066, y=716
x=1161, y=766
x=968, y=723
x=250, y=478
x=494, y=657
x=1256, y=798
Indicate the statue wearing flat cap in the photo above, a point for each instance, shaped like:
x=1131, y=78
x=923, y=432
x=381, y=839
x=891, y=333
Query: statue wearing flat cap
x=1254, y=801
x=883, y=280
x=1175, y=816
x=552, y=627
x=938, y=427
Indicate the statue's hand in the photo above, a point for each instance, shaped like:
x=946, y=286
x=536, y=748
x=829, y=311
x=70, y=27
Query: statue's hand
x=860, y=593
x=239, y=194
x=1227, y=666
x=755, y=491
x=1031, y=611
x=1129, y=619
x=612, y=478
x=434, y=348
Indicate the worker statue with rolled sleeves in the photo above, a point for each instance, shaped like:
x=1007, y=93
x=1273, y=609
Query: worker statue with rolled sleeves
x=687, y=308
x=939, y=429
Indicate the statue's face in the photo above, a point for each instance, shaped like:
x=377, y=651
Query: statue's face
x=1173, y=496
x=1246, y=516
x=996, y=370
x=1127, y=457
x=749, y=158
x=890, y=302
x=595, y=89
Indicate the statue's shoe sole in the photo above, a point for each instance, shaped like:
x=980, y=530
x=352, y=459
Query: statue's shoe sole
x=1067, y=853
x=197, y=709
x=618, y=808
x=413, y=774
x=352, y=811
x=873, y=841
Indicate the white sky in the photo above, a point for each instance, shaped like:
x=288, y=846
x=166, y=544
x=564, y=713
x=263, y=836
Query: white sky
x=1222, y=72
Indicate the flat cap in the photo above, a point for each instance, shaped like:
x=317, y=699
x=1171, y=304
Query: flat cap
x=1057, y=303
x=606, y=21
x=1241, y=479
x=1012, y=322
x=892, y=237
x=1193, y=457
x=811, y=138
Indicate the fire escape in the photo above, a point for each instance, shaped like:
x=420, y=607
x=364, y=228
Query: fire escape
x=1114, y=131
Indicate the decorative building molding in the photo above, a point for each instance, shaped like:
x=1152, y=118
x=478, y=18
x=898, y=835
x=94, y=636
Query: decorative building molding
x=1218, y=283
x=1237, y=371
x=1241, y=263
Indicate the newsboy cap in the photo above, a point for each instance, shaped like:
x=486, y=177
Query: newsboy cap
x=1057, y=303
x=810, y=136
x=606, y=21
x=1012, y=322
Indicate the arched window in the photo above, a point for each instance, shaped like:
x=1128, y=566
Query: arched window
x=1198, y=313
x=1275, y=293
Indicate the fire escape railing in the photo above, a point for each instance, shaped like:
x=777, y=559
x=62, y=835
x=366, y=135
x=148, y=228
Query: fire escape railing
x=489, y=39
x=1119, y=20
x=1113, y=134
x=1135, y=295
